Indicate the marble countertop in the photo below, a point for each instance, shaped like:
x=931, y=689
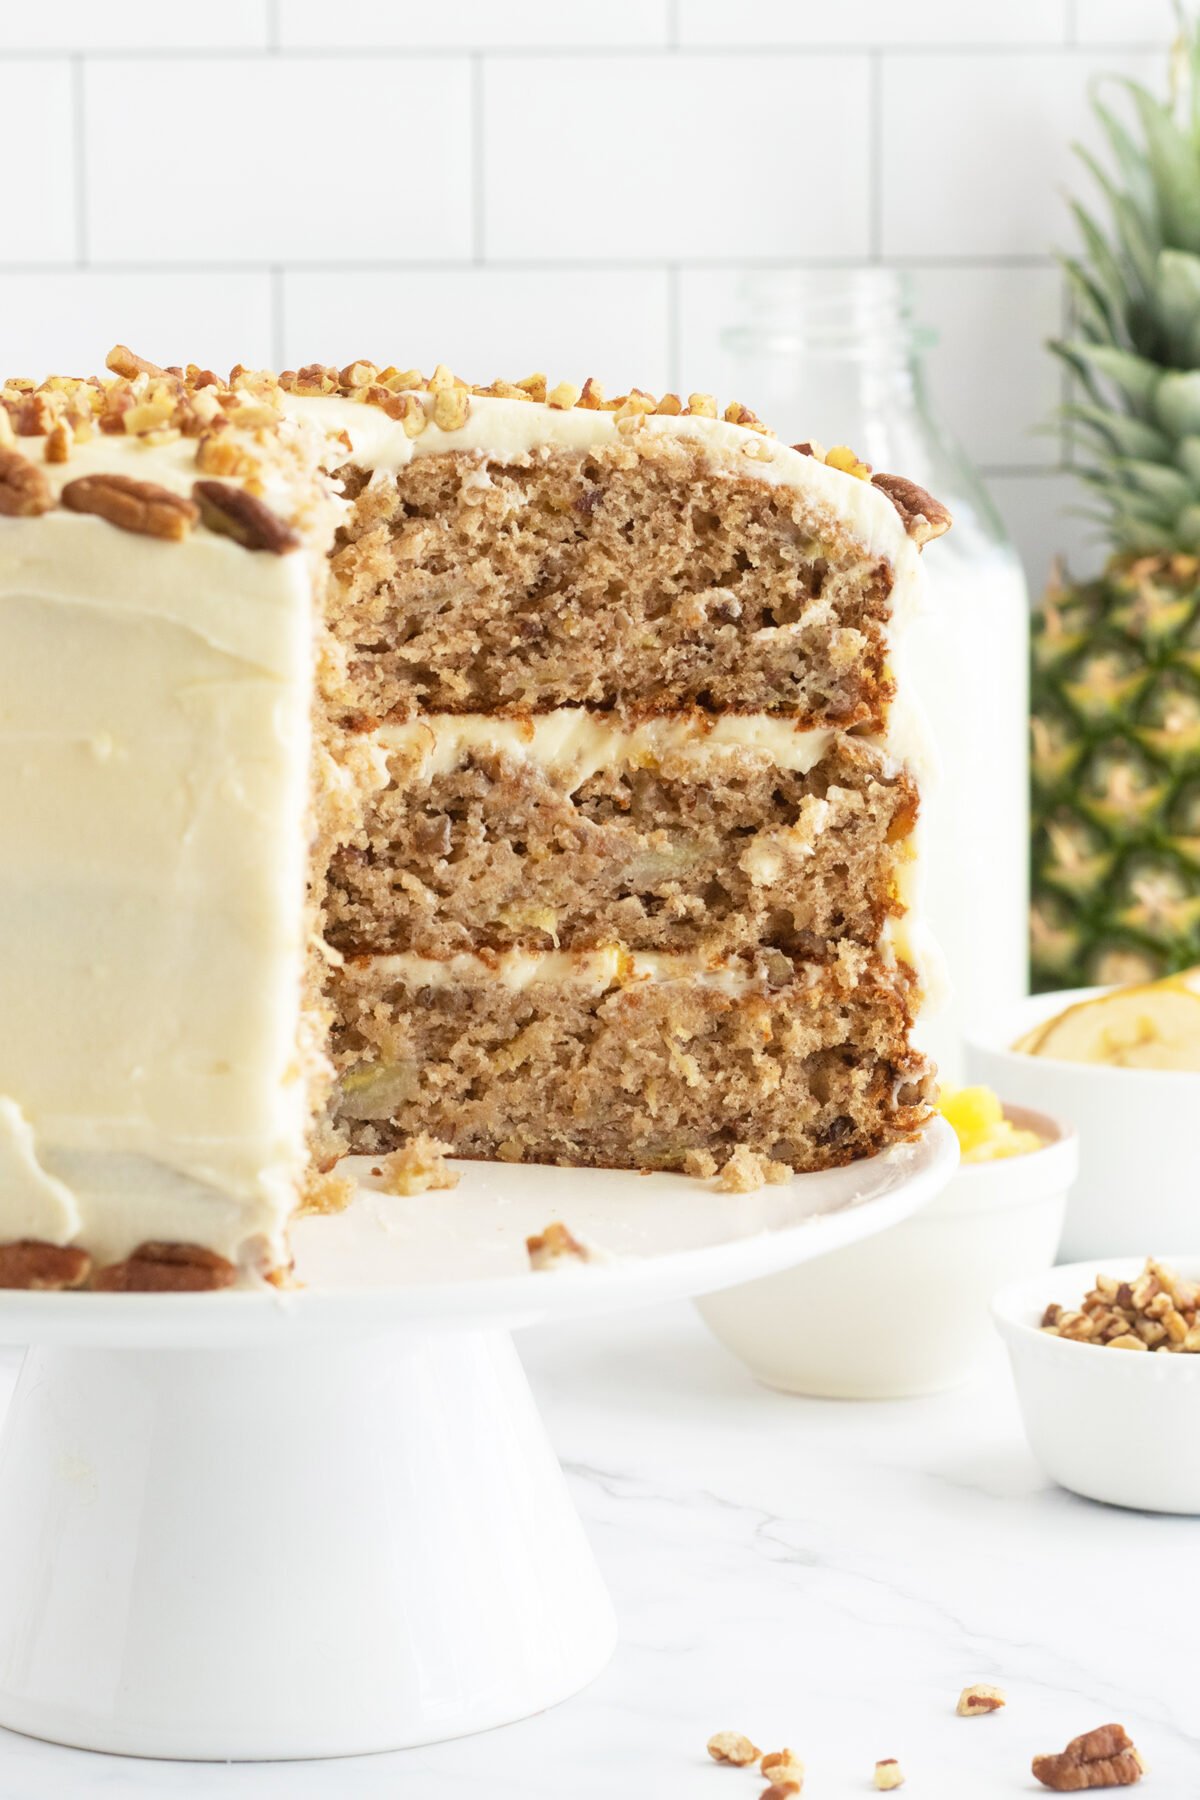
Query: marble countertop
x=817, y=1574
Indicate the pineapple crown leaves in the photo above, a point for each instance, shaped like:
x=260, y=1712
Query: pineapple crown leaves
x=1136, y=296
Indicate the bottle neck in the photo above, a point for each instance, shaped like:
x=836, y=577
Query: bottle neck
x=837, y=348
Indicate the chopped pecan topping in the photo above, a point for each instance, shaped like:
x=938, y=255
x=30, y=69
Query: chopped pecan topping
x=24, y=490
x=1099, y=1759
x=122, y=361
x=924, y=517
x=59, y=439
x=167, y=1269
x=234, y=513
x=139, y=506
x=31, y=1264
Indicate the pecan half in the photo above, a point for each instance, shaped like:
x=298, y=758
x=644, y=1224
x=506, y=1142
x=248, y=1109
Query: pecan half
x=139, y=506
x=32, y=1264
x=24, y=490
x=924, y=517
x=234, y=513
x=1101, y=1758
x=167, y=1269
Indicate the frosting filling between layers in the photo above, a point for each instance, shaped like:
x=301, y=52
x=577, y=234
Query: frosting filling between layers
x=596, y=970
x=570, y=740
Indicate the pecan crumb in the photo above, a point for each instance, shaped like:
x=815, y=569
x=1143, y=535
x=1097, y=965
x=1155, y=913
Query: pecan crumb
x=888, y=1774
x=980, y=1699
x=732, y=1747
x=551, y=1248
x=1101, y=1758
x=417, y=1167
x=746, y=1170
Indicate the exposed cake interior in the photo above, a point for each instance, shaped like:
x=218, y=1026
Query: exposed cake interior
x=594, y=826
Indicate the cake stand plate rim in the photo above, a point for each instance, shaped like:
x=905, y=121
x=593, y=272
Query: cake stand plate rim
x=348, y=1291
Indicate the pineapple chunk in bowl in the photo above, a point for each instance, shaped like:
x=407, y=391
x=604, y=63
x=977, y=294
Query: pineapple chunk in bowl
x=1114, y=1062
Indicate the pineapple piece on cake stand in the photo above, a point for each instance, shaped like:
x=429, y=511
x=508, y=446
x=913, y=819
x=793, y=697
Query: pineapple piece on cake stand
x=1116, y=660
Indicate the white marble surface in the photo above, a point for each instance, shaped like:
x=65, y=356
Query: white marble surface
x=824, y=1575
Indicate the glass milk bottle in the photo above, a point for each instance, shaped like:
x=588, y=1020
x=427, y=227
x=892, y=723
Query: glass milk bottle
x=834, y=354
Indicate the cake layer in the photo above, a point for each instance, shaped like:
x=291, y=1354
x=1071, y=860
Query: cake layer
x=644, y=578
x=626, y=1062
x=569, y=829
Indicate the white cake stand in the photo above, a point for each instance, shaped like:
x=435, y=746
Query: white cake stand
x=250, y=1525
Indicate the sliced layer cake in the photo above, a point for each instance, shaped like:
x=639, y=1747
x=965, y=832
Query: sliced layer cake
x=523, y=770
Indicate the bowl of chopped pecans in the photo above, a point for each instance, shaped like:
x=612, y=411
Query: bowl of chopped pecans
x=1106, y=1362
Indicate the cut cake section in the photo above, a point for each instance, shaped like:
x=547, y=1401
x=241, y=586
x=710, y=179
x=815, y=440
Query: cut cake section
x=388, y=757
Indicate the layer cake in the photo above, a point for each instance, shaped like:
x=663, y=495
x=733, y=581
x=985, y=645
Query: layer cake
x=385, y=760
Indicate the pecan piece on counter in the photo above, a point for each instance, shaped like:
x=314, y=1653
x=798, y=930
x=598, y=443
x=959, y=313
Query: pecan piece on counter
x=167, y=1269
x=32, y=1264
x=234, y=513
x=979, y=1699
x=24, y=490
x=732, y=1747
x=924, y=517
x=1104, y=1758
x=139, y=506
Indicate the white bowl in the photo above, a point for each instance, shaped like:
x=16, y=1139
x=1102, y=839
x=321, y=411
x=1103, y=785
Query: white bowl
x=906, y=1311
x=1137, y=1132
x=1109, y=1424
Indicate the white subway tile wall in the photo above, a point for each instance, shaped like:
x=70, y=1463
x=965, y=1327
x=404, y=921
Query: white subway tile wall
x=552, y=184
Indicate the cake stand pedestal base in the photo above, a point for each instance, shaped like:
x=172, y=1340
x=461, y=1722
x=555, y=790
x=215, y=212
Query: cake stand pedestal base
x=287, y=1550
x=326, y=1521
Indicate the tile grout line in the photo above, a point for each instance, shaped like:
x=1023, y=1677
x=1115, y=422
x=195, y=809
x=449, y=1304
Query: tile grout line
x=79, y=160
x=1070, y=23
x=674, y=346
x=527, y=265
x=672, y=24
x=875, y=156
x=341, y=52
x=478, y=220
x=273, y=43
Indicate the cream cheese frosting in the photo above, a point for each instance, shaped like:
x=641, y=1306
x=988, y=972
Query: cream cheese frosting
x=596, y=970
x=571, y=741
x=154, y=753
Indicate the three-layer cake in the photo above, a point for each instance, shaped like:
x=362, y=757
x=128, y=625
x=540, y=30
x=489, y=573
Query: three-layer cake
x=381, y=756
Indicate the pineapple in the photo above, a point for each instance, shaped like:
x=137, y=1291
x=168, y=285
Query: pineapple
x=1116, y=661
